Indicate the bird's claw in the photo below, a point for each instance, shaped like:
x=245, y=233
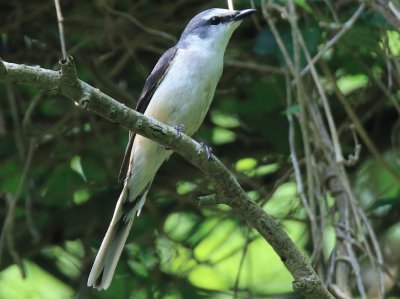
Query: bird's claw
x=180, y=129
x=207, y=149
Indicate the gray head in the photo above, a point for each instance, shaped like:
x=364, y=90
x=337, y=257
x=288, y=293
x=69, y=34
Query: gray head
x=213, y=26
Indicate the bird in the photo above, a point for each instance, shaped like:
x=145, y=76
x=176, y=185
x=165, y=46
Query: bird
x=178, y=92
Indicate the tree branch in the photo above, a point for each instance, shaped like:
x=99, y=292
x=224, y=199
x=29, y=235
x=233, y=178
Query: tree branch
x=66, y=83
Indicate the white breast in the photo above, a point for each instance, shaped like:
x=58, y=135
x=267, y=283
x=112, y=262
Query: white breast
x=183, y=97
x=186, y=92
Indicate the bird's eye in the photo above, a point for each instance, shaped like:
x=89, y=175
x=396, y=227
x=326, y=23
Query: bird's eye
x=215, y=21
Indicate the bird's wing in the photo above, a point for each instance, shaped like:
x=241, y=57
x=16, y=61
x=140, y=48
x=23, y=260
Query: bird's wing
x=152, y=82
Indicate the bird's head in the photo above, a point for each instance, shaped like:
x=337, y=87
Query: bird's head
x=213, y=27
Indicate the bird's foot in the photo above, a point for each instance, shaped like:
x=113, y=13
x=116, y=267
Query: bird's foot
x=180, y=129
x=207, y=149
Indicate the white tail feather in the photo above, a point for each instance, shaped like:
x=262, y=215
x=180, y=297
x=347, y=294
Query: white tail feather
x=111, y=248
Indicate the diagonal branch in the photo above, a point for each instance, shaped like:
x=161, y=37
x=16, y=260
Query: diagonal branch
x=229, y=191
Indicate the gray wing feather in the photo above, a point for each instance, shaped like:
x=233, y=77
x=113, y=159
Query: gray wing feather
x=149, y=88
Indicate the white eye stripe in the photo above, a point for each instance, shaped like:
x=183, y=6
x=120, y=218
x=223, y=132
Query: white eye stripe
x=218, y=13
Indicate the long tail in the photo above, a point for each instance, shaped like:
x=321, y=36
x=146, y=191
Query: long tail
x=111, y=248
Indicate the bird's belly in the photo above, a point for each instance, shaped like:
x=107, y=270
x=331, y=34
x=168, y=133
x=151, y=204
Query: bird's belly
x=189, y=110
x=186, y=105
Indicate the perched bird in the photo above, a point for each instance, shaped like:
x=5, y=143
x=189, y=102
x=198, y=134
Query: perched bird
x=178, y=92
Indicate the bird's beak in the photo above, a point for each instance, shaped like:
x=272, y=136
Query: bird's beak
x=243, y=13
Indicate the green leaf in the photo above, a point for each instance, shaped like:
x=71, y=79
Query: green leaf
x=224, y=120
x=350, y=83
x=77, y=166
x=37, y=284
x=81, y=196
x=293, y=109
x=183, y=188
x=303, y=4
x=394, y=42
x=246, y=164
x=222, y=136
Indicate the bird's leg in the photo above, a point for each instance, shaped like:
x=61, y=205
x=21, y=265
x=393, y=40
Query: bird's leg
x=207, y=149
x=180, y=129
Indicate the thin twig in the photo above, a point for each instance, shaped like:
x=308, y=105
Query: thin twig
x=355, y=265
x=394, y=10
x=302, y=99
x=386, y=12
x=308, y=202
x=339, y=293
x=331, y=123
x=357, y=123
x=378, y=252
x=278, y=182
x=328, y=3
x=241, y=263
x=135, y=21
x=60, y=20
x=346, y=26
x=293, y=155
x=277, y=37
x=357, y=217
x=26, y=122
x=30, y=222
x=230, y=4
x=7, y=238
x=28, y=203
x=255, y=66
x=387, y=54
x=7, y=231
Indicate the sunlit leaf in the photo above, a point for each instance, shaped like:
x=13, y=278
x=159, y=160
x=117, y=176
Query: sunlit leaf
x=185, y=187
x=222, y=136
x=224, y=120
x=81, y=196
x=77, y=166
x=394, y=42
x=38, y=283
x=266, y=169
x=293, y=109
x=207, y=277
x=246, y=164
x=348, y=84
x=178, y=225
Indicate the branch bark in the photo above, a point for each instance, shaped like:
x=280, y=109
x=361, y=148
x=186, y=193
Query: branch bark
x=229, y=192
